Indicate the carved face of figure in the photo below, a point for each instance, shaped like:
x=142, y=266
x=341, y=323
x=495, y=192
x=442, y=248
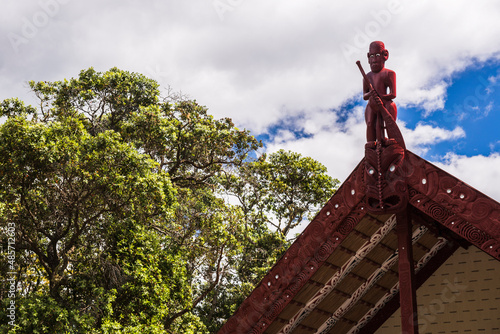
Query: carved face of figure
x=384, y=179
x=377, y=56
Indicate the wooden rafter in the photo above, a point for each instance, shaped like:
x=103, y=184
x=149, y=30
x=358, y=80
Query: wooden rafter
x=339, y=275
x=395, y=289
x=363, y=289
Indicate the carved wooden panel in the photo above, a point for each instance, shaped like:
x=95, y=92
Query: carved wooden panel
x=386, y=190
x=456, y=205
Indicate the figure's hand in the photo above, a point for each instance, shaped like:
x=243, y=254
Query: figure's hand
x=373, y=93
x=374, y=98
x=378, y=100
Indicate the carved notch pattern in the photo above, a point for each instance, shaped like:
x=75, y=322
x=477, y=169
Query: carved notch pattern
x=455, y=205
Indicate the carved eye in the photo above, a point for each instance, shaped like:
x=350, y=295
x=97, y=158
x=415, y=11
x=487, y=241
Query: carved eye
x=392, y=168
x=371, y=171
x=377, y=55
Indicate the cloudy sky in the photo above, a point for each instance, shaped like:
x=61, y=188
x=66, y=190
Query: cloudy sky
x=286, y=69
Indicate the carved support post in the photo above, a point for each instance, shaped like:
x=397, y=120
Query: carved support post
x=408, y=296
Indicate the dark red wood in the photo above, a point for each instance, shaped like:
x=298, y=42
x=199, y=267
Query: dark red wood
x=454, y=204
x=386, y=190
x=407, y=285
x=437, y=194
x=379, y=88
x=384, y=175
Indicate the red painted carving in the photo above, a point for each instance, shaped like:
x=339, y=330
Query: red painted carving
x=454, y=204
x=339, y=275
x=427, y=265
x=387, y=180
x=386, y=187
x=386, y=190
x=389, y=172
x=379, y=88
x=473, y=216
x=407, y=286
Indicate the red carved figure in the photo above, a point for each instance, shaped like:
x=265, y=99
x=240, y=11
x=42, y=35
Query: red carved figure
x=386, y=189
x=380, y=90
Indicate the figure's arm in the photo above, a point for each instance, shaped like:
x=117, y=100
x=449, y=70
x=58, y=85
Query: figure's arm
x=367, y=90
x=391, y=86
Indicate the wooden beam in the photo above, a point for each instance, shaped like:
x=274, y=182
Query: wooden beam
x=394, y=291
x=407, y=288
x=365, y=287
x=339, y=275
x=390, y=305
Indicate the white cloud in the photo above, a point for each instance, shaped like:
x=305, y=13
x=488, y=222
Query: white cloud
x=338, y=145
x=263, y=62
x=430, y=99
x=262, y=57
x=487, y=109
x=423, y=136
x=494, y=145
x=493, y=81
x=480, y=172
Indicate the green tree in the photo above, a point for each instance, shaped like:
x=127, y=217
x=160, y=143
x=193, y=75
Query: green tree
x=66, y=192
x=120, y=199
x=281, y=189
x=275, y=194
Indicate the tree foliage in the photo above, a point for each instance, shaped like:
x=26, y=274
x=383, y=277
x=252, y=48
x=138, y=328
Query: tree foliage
x=137, y=213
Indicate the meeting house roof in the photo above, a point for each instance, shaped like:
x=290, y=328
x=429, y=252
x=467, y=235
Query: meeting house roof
x=343, y=273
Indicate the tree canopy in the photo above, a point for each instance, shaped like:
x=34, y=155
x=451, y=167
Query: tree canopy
x=134, y=212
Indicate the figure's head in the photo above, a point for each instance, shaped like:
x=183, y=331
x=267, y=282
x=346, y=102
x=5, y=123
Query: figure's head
x=377, y=55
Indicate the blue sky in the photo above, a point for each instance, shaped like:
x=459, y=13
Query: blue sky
x=285, y=69
x=473, y=103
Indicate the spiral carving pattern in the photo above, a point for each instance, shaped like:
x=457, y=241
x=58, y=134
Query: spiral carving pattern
x=433, y=191
x=324, y=251
x=437, y=212
x=347, y=225
x=317, y=231
x=493, y=247
x=480, y=209
x=412, y=192
x=276, y=308
x=473, y=234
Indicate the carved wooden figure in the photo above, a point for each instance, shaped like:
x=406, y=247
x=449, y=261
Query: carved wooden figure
x=386, y=189
x=379, y=88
